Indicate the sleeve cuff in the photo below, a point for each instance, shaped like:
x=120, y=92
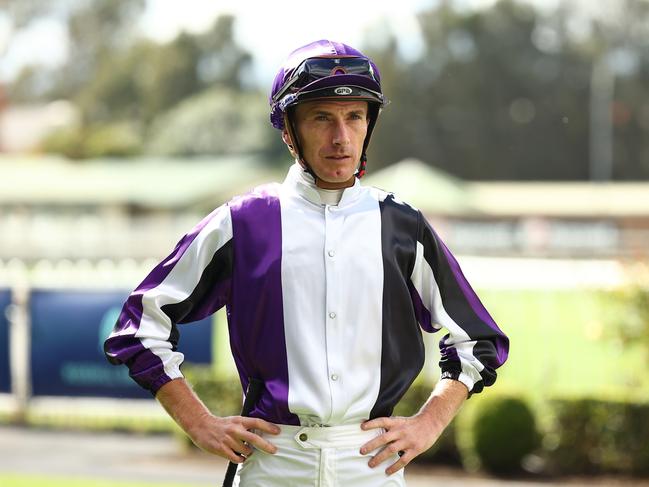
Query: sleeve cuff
x=162, y=380
x=463, y=378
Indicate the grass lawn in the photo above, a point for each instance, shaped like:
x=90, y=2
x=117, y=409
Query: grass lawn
x=19, y=480
x=564, y=343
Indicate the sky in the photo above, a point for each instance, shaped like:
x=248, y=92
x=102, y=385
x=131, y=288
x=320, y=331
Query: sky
x=268, y=29
x=270, y=32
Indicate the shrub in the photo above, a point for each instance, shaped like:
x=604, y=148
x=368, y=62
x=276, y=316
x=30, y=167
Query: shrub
x=595, y=436
x=496, y=433
x=222, y=395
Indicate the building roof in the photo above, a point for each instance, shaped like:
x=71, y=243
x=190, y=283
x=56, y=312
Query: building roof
x=148, y=182
x=435, y=192
x=562, y=199
x=427, y=188
x=162, y=183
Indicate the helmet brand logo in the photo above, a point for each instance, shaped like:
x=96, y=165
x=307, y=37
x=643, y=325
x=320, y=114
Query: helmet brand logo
x=343, y=90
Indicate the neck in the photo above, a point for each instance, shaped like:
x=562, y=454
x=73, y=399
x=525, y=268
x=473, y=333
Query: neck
x=327, y=185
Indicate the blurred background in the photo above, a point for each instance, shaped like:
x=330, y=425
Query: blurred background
x=520, y=129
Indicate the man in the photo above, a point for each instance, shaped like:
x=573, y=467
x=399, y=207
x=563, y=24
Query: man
x=328, y=285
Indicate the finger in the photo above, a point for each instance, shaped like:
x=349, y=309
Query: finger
x=237, y=446
x=242, y=448
x=399, y=464
x=377, y=423
x=378, y=442
x=227, y=453
x=260, y=424
x=390, y=451
x=258, y=442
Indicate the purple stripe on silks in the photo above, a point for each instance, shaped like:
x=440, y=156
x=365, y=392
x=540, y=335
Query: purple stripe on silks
x=256, y=313
x=475, y=303
x=131, y=314
x=422, y=314
x=448, y=352
x=145, y=367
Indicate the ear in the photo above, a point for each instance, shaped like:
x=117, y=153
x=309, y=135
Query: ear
x=286, y=137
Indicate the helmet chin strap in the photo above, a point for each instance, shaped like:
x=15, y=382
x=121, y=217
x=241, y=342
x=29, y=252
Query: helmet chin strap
x=292, y=133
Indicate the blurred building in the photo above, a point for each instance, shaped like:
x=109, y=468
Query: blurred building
x=55, y=209
x=23, y=127
x=52, y=208
x=530, y=219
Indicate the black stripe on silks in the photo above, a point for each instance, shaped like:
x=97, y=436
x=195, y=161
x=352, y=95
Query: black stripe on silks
x=210, y=294
x=459, y=308
x=402, y=352
x=486, y=353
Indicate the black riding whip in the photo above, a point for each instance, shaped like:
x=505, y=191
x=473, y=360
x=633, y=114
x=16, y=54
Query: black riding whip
x=252, y=396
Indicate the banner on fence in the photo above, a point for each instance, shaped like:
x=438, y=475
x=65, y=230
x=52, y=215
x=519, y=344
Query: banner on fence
x=68, y=332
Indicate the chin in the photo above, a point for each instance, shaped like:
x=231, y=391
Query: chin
x=336, y=176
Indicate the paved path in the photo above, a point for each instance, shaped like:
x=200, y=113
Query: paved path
x=121, y=456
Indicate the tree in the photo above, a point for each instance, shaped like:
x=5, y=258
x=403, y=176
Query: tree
x=504, y=93
x=217, y=121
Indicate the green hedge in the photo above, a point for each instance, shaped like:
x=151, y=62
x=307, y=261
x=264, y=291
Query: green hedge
x=595, y=436
x=496, y=433
x=222, y=396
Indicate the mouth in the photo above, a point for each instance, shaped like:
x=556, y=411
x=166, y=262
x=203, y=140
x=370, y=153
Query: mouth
x=338, y=157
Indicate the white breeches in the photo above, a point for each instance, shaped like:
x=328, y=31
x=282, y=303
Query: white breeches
x=317, y=457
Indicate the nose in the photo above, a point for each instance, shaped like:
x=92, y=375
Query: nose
x=340, y=134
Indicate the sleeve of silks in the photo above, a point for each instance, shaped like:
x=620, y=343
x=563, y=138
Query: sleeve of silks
x=190, y=284
x=474, y=347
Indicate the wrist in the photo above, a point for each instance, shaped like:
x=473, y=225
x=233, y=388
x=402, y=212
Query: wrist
x=429, y=419
x=193, y=425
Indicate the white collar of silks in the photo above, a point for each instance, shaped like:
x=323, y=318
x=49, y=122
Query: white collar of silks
x=301, y=182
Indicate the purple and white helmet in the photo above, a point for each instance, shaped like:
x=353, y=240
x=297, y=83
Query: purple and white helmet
x=331, y=70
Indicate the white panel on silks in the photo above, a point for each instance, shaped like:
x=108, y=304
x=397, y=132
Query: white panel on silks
x=303, y=291
x=360, y=268
x=332, y=283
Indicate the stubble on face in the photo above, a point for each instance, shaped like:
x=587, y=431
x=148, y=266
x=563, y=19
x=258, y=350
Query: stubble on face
x=331, y=134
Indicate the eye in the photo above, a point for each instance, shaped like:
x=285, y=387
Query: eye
x=321, y=118
x=356, y=116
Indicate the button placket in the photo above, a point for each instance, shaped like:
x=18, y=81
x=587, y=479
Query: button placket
x=333, y=234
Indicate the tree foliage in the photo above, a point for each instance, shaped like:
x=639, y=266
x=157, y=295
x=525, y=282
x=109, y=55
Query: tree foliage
x=504, y=93
x=216, y=121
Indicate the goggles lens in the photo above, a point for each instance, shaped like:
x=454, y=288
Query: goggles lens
x=313, y=69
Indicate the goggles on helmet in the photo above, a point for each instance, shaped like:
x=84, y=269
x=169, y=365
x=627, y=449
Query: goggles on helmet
x=313, y=69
